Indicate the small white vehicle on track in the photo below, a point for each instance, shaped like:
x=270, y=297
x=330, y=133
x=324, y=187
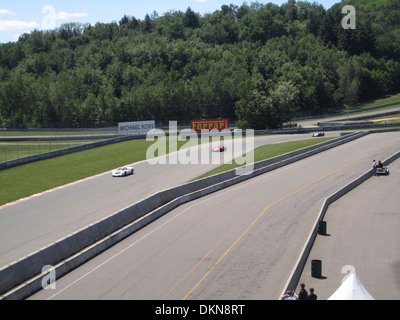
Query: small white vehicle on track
x=318, y=134
x=382, y=170
x=123, y=171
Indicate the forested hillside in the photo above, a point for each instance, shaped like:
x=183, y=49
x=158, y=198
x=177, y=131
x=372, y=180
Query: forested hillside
x=259, y=64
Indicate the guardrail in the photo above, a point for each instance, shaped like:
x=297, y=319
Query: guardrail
x=346, y=113
x=61, y=152
x=23, y=277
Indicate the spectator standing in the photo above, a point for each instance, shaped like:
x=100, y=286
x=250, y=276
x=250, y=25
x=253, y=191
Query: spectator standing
x=303, y=292
x=311, y=296
x=289, y=296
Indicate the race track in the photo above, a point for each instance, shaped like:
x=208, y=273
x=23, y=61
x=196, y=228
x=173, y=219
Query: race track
x=238, y=243
x=362, y=237
x=29, y=225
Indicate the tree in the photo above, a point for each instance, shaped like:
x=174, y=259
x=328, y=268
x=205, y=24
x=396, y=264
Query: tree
x=328, y=28
x=191, y=19
x=349, y=81
x=283, y=104
x=148, y=24
x=262, y=110
x=256, y=63
x=252, y=114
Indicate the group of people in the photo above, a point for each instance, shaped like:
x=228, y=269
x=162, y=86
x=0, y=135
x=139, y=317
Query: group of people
x=302, y=295
x=374, y=166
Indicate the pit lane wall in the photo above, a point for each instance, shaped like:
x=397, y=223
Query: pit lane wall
x=298, y=269
x=23, y=277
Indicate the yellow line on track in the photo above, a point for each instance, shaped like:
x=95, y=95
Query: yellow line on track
x=269, y=206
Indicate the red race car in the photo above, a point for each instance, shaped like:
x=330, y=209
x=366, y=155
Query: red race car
x=218, y=149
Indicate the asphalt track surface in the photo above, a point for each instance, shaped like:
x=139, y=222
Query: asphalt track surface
x=35, y=222
x=313, y=122
x=362, y=237
x=238, y=243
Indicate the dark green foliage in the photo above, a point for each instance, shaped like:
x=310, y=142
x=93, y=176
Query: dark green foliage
x=259, y=64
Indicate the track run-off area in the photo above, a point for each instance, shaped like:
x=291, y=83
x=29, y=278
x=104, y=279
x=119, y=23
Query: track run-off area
x=238, y=243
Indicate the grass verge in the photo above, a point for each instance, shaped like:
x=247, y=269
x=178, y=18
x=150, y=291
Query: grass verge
x=377, y=102
x=23, y=181
x=26, y=180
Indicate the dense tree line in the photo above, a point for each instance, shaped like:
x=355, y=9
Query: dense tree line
x=259, y=64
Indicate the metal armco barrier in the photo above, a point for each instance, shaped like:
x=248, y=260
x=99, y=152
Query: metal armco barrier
x=61, y=152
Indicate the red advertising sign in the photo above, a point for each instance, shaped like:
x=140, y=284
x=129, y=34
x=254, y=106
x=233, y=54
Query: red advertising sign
x=219, y=124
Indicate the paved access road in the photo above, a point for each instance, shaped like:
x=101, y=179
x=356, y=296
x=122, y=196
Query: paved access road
x=362, y=237
x=30, y=225
x=238, y=243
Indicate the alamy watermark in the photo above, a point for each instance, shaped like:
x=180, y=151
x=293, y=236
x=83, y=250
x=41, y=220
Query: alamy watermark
x=49, y=20
x=349, y=21
x=51, y=16
x=49, y=278
x=348, y=270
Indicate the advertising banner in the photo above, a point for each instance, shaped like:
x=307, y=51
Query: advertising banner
x=137, y=127
x=219, y=124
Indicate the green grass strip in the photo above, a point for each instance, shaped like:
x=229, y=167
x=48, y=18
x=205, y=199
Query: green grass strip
x=23, y=181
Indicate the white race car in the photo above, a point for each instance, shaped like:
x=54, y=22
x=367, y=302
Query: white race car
x=123, y=171
x=318, y=134
x=384, y=170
